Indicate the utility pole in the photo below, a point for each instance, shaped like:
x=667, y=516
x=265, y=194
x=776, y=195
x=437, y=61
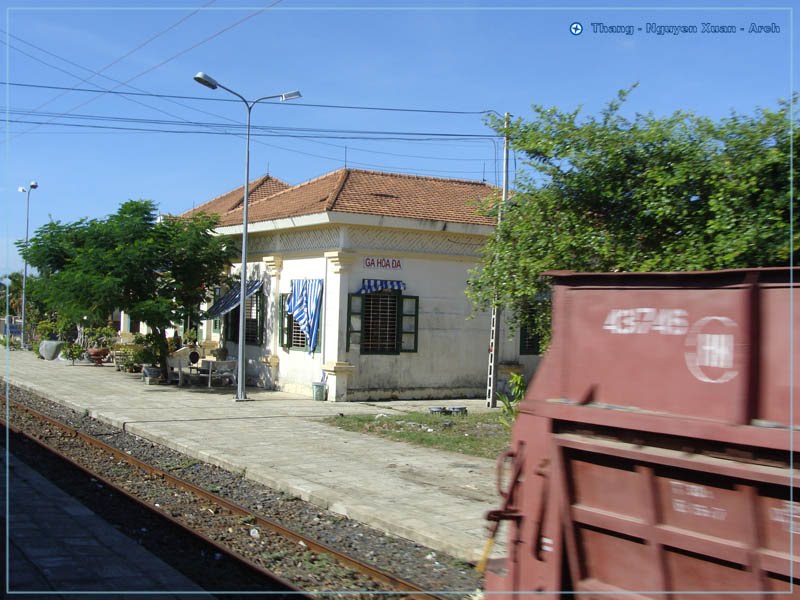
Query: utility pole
x=494, y=337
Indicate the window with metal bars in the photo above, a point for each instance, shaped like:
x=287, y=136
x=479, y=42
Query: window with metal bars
x=529, y=341
x=216, y=323
x=253, y=321
x=383, y=323
x=292, y=337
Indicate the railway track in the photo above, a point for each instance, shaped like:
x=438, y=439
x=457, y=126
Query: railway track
x=231, y=529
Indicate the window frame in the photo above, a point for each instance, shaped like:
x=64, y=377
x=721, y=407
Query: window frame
x=406, y=322
x=216, y=323
x=530, y=343
x=286, y=324
x=232, y=321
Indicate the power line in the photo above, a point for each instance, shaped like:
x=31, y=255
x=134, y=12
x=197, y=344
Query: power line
x=127, y=54
x=174, y=56
x=313, y=139
x=207, y=132
x=71, y=74
x=288, y=104
x=270, y=131
x=263, y=143
x=313, y=135
x=310, y=130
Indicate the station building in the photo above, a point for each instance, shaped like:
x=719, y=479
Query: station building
x=357, y=279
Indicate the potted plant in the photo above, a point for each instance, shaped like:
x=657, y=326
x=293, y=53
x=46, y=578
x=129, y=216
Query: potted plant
x=99, y=339
x=220, y=353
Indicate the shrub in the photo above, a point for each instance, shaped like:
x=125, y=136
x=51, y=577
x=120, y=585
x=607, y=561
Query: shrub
x=190, y=337
x=509, y=405
x=73, y=352
x=12, y=342
x=100, y=337
x=46, y=330
x=146, y=352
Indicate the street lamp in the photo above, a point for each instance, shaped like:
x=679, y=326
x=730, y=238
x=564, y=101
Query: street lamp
x=31, y=186
x=213, y=84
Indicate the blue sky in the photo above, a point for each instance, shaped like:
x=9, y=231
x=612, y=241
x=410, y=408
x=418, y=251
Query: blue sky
x=440, y=55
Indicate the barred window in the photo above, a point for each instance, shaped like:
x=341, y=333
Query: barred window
x=383, y=323
x=253, y=321
x=292, y=337
x=216, y=323
x=529, y=342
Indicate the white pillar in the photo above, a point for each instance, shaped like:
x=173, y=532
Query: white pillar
x=274, y=267
x=336, y=367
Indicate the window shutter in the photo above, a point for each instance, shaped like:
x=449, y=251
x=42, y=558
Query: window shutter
x=409, y=323
x=354, y=319
x=260, y=316
x=283, y=322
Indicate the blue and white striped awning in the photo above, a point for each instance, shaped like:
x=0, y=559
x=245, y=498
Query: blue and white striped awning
x=230, y=300
x=369, y=286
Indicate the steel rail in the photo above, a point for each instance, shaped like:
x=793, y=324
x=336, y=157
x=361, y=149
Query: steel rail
x=257, y=569
x=370, y=571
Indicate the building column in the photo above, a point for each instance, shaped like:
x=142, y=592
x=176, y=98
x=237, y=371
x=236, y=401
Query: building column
x=336, y=367
x=124, y=323
x=274, y=265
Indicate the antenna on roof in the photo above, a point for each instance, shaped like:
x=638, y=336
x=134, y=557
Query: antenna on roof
x=483, y=175
x=267, y=168
x=345, y=157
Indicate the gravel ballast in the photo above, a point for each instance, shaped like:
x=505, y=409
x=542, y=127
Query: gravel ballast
x=431, y=570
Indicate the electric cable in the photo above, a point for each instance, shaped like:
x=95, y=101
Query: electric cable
x=207, y=132
x=224, y=99
x=119, y=59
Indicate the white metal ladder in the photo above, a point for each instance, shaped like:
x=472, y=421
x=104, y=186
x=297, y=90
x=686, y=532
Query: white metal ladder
x=491, y=379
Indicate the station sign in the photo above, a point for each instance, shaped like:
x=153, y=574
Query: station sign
x=383, y=262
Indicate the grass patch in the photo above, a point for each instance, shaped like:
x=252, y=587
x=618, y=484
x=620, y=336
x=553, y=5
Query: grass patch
x=475, y=435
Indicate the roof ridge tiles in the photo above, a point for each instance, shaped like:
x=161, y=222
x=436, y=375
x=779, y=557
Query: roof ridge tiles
x=253, y=186
x=260, y=181
x=338, y=190
x=292, y=188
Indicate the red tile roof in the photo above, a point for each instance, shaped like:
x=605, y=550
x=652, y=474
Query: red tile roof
x=373, y=193
x=259, y=188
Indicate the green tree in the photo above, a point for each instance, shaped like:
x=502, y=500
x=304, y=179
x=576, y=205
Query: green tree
x=608, y=193
x=14, y=291
x=158, y=270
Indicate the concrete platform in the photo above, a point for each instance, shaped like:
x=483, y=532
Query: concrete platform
x=57, y=545
x=432, y=497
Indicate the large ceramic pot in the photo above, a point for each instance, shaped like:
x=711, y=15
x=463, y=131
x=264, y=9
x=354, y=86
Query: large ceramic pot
x=97, y=355
x=50, y=349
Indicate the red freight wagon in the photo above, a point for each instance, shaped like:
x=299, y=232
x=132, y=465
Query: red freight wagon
x=653, y=451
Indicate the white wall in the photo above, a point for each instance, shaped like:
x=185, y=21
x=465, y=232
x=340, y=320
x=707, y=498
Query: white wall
x=298, y=369
x=452, y=349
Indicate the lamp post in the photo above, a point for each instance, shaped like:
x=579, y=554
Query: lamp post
x=31, y=186
x=213, y=84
